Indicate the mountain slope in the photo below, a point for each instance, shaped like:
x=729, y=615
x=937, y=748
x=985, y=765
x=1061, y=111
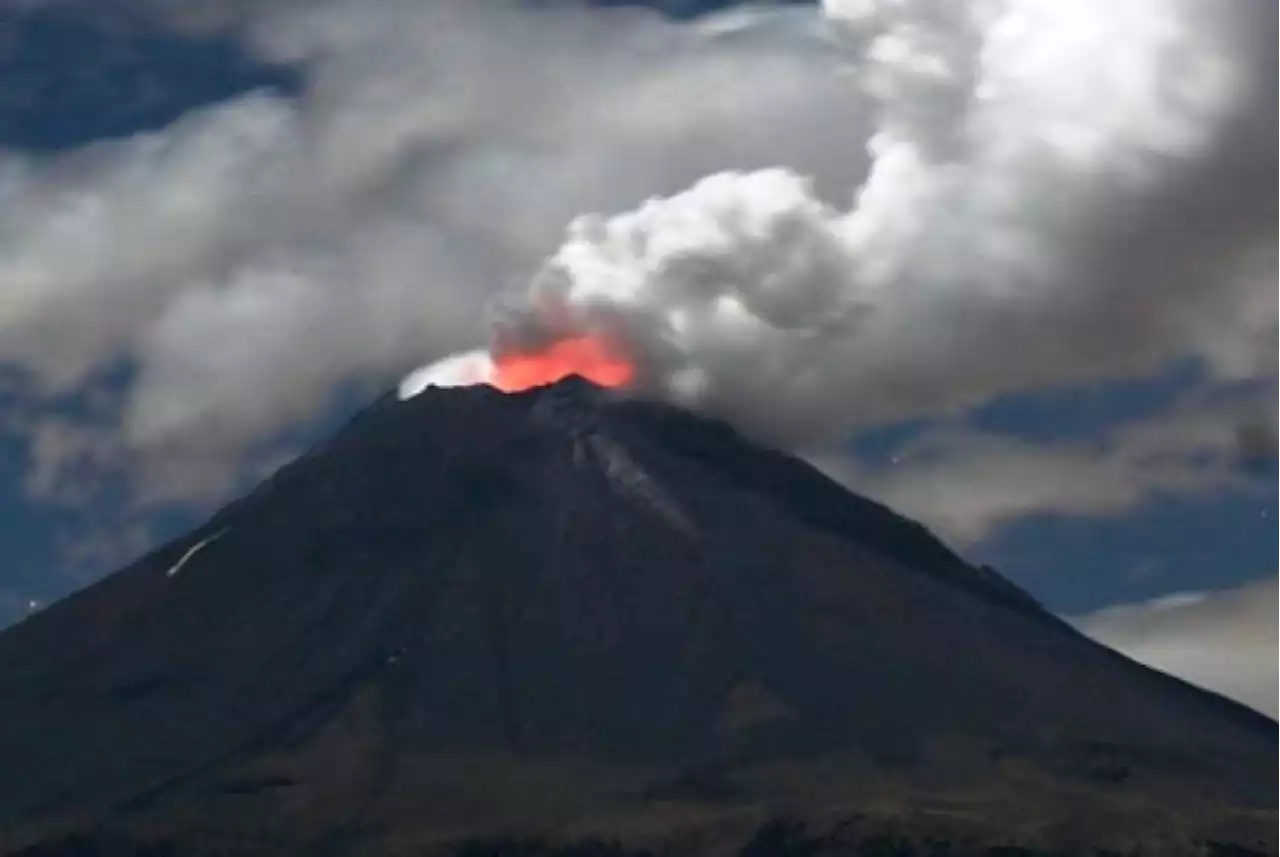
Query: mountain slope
x=470, y=610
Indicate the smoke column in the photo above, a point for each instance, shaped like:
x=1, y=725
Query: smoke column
x=1034, y=213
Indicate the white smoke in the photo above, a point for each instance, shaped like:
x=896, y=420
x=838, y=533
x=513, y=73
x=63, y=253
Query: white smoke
x=1057, y=192
x=1048, y=192
x=237, y=271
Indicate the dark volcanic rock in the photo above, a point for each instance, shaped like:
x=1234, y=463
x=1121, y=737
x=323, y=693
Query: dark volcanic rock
x=473, y=610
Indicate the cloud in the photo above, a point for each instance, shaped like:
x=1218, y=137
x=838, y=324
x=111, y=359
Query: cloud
x=965, y=483
x=1224, y=641
x=899, y=213
x=1057, y=193
x=254, y=257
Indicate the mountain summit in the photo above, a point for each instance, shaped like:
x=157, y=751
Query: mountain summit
x=566, y=610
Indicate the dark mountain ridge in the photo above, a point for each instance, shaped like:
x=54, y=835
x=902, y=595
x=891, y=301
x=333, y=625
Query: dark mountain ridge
x=472, y=611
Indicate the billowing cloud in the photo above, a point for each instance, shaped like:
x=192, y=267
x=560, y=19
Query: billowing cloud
x=897, y=208
x=1224, y=641
x=251, y=259
x=1057, y=193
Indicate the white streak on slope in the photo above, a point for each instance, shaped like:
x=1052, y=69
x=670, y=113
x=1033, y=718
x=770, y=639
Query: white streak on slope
x=192, y=551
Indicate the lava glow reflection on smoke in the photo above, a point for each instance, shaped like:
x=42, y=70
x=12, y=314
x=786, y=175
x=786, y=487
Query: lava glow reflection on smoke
x=589, y=356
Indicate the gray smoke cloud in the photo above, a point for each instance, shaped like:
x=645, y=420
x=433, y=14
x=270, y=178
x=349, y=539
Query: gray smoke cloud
x=241, y=265
x=1056, y=193
x=879, y=210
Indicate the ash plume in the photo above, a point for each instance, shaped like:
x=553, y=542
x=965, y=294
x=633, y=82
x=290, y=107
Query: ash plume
x=888, y=209
x=1056, y=193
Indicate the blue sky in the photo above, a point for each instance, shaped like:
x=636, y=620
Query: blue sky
x=1165, y=454
x=1164, y=545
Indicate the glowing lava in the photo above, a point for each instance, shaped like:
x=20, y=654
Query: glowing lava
x=590, y=357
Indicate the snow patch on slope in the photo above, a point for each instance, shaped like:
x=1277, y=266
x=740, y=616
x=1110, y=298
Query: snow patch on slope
x=192, y=551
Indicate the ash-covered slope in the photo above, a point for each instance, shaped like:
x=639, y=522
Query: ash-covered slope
x=580, y=595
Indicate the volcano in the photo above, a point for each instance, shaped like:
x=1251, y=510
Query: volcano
x=472, y=613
